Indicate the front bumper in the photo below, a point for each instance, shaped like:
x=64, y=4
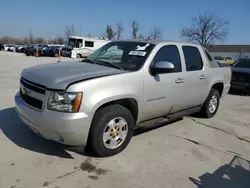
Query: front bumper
x=66, y=128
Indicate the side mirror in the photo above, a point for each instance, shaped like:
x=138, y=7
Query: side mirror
x=162, y=67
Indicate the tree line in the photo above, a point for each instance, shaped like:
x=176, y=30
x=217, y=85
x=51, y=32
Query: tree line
x=205, y=29
x=31, y=39
x=116, y=32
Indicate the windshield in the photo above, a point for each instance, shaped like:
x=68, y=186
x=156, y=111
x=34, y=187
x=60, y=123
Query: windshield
x=219, y=58
x=242, y=63
x=75, y=43
x=127, y=55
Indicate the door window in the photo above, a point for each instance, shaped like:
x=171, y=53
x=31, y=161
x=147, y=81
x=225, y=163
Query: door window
x=169, y=53
x=193, y=58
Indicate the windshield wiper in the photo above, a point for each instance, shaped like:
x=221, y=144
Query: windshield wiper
x=109, y=64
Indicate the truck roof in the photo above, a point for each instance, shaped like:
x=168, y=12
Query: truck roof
x=155, y=42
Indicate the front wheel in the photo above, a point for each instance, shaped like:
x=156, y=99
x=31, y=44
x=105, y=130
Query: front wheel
x=211, y=104
x=111, y=130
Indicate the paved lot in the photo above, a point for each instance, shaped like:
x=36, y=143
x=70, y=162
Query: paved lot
x=189, y=153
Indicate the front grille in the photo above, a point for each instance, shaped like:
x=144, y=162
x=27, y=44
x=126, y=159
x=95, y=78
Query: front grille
x=37, y=95
x=33, y=86
x=241, y=77
x=31, y=101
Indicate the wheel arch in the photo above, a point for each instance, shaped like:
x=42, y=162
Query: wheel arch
x=130, y=103
x=219, y=87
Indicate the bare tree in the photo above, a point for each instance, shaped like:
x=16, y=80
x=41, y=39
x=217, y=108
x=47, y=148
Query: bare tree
x=119, y=30
x=59, y=40
x=31, y=37
x=206, y=29
x=109, y=32
x=141, y=36
x=70, y=30
x=135, y=29
x=156, y=33
x=39, y=40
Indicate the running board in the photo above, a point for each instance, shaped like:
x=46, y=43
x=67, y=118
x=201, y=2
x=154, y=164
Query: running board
x=169, y=118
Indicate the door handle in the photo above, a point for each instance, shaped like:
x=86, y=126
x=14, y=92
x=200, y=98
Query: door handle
x=179, y=81
x=202, y=77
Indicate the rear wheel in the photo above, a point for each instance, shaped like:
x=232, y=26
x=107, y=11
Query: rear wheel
x=111, y=130
x=78, y=56
x=211, y=105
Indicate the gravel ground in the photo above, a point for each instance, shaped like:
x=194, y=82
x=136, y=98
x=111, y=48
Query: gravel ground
x=189, y=153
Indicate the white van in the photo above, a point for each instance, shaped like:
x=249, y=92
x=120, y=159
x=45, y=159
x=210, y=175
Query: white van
x=85, y=46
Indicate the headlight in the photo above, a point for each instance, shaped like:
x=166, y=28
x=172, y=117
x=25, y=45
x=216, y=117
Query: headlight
x=64, y=102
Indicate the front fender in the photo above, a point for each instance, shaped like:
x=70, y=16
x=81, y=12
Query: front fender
x=104, y=100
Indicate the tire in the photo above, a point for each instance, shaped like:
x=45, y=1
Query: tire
x=100, y=125
x=207, y=111
x=78, y=56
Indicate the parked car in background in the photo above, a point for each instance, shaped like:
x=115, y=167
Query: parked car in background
x=1, y=47
x=20, y=48
x=226, y=60
x=241, y=75
x=223, y=64
x=10, y=47
x=66, y=51
x=219, y=59
x=229, y=60
x=101, y=100
x=31, y=49
x=51, y=51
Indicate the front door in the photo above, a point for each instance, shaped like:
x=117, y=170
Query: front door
x=163, y=92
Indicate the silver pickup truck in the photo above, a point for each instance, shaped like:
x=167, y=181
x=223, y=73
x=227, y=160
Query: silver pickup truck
x=123, y=85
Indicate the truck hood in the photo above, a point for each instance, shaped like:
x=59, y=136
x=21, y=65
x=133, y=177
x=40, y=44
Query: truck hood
x=60, y=75
x=240, y=70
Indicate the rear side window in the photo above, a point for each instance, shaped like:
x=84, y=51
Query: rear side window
x=228, y=58
x=193, y=58
x=89, y=44
x=169, y=53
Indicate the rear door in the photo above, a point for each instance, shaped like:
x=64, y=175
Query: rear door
x=195, y=79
